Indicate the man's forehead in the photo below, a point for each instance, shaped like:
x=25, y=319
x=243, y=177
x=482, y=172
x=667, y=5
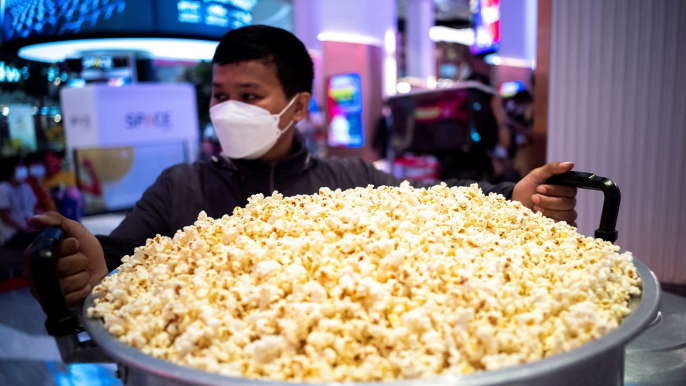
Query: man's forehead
x=245, y=69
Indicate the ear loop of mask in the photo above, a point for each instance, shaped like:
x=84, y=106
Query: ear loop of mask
x=289, y=105
x=283, y=111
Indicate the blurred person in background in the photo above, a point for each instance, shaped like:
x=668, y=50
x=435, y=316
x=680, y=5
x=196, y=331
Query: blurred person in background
x=313, y=129
x=17, y=205
x=209, y=145
x=485, y=158
x=520, y=120
x=61, y=184
x=208, y=148
x=382, y=137
x=36, y=164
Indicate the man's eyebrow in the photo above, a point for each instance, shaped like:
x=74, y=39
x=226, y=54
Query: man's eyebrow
x=249, y=85
x=240, y=85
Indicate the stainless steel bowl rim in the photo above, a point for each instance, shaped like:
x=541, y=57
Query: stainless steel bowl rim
x=630, y=328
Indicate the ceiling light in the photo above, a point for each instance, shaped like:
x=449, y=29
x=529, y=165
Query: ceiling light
x=451, y=35
x=403, y=87
x=344, y=37
x=159, y=48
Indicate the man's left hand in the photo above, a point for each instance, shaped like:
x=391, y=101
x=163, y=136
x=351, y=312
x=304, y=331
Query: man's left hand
x=554, y=201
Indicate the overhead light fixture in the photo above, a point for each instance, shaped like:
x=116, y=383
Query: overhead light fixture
x=403, y=87
x=158, y=48
x=389, y=41
x=344, y=37
x=390, y=73
x=452, y=35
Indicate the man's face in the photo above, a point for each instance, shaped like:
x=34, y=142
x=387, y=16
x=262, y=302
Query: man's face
x=254, y=82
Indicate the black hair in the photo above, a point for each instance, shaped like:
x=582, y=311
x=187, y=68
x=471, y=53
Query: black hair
x=485, y=79
x=523, y=96
x=37, y=156
x=7, y=166
x=294, y=66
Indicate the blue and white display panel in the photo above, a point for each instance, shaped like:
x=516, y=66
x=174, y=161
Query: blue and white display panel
x=344, y=105
x=45, y=19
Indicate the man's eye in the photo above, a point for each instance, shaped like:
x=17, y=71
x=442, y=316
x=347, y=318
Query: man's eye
x=250, y=97
x=219, y=97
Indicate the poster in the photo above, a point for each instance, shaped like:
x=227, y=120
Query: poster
x=21, y=125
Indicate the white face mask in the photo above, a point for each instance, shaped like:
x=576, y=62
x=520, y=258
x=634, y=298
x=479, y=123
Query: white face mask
x=21, y=172
x=37, y=171
x=246, y=131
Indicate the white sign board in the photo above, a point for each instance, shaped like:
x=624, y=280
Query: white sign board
x=104, y=116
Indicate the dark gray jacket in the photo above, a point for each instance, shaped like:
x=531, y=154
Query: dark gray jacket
x=220, y=185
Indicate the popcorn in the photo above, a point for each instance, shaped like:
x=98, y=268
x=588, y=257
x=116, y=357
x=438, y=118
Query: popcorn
x=367, y=285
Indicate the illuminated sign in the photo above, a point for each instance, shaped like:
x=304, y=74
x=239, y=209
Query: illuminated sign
x=104, y=62
x=189, y=11
x=9, y=74
x=344, y=104
x=216, y=13
x=486, y=26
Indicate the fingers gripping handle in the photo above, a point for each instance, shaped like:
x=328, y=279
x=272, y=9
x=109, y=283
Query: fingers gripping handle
x=61, y=320
x=608, y=219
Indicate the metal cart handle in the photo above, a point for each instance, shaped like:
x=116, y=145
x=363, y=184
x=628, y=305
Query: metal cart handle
x=583, y=180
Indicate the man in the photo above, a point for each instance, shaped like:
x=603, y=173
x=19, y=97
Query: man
x=261, y=85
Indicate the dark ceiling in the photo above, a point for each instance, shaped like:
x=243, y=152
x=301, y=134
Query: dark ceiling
x=451, y=13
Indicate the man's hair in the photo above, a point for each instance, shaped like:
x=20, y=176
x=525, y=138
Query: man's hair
x=272, y=45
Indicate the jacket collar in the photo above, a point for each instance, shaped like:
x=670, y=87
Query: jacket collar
x=299, y=160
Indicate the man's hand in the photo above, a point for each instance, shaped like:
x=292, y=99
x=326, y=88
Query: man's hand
x=81, y=261
x=554, y=201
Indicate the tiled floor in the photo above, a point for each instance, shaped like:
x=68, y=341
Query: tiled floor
x=29, y=356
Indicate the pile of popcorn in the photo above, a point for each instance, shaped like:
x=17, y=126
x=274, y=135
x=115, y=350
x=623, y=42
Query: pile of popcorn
x=367, y=285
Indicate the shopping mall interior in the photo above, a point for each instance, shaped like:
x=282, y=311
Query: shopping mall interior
x=100, y=97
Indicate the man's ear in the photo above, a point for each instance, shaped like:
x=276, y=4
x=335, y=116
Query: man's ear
x=302, y=106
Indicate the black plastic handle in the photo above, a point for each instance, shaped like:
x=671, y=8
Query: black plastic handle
x=583, y=180
x=61, y=320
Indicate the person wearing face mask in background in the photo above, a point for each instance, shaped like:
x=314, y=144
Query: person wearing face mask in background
x=17, y=203
x=36, y=165
x=261, y=86
x=61, y=184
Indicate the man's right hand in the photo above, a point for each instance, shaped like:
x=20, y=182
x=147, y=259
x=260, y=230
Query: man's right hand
x=81, y=261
